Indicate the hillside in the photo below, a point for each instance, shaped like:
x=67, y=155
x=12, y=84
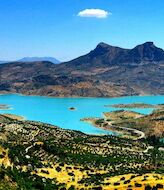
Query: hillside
x=132, y=124
x=106, y=71
x=36, y=155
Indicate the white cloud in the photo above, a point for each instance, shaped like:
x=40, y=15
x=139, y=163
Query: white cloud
x=96, y=13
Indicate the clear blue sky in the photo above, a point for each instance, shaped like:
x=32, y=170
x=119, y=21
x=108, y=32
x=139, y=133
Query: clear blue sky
x=52, y=27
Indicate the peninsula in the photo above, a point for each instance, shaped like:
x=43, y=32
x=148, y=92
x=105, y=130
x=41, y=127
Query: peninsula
x=132, y=124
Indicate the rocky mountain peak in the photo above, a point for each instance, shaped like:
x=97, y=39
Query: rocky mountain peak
x=149, y=44
x=146, y=46
x=103, y=45
x=147, y=52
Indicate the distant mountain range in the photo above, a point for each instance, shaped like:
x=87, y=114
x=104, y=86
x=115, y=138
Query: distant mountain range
x=34, y=59
x=106, y=71
x=4, y=62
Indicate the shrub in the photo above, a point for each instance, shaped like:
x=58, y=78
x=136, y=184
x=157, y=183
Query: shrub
x=138, y=185
x=160, y=186
x=58, y=169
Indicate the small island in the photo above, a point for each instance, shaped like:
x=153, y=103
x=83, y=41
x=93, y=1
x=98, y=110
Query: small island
x=72, y=108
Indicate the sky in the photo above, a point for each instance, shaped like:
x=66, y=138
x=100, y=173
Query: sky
x=66, y=29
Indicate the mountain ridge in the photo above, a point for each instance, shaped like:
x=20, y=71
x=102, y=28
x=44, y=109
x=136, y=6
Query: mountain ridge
x=34, y=59
x=106, y=71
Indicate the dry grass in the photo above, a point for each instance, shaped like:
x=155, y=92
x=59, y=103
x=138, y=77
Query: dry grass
x=4, y=159
x=123, y=182
x=134, y=180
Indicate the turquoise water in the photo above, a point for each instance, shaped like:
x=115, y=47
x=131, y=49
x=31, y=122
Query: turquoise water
x=56, y=110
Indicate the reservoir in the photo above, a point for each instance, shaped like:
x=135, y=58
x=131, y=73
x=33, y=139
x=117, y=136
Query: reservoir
x=67, y=112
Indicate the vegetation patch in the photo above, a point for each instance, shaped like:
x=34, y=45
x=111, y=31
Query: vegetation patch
x=34, y=155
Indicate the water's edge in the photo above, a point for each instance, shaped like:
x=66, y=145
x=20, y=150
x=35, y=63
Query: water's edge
x=55, y=110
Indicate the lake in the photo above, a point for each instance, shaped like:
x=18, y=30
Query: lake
x=56, y=110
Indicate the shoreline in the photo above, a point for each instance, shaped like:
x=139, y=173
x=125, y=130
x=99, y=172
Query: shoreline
x=103, y=97
x=15, y=117
x=116, y=130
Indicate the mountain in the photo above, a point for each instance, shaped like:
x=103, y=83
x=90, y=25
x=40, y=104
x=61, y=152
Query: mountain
x=34, y=59
x=1, y=62
x=105, y=55
x=106, y=71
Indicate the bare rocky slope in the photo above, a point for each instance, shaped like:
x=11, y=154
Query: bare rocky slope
x=106, y=71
